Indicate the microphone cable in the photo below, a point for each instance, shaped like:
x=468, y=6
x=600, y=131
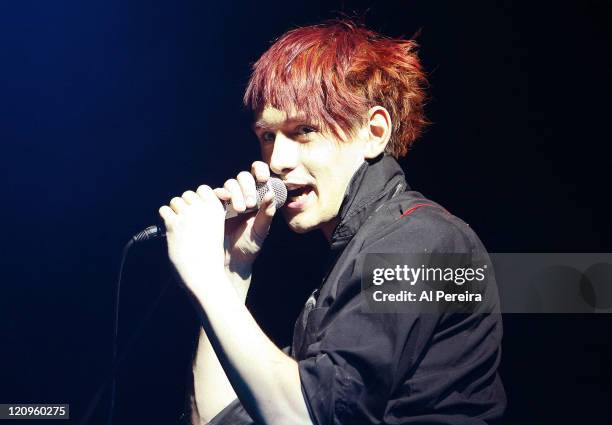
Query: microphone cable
x=149, y=233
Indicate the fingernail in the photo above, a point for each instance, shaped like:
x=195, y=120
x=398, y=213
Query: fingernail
x=250, y=200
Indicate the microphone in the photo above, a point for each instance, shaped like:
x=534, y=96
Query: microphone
x=275, y=184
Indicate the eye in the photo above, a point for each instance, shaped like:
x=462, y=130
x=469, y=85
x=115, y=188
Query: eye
x=305, y=129
x=268, y=136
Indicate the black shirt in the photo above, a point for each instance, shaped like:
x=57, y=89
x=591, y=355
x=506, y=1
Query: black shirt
x=403, y=368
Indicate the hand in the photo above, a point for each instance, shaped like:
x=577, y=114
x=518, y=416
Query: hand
x=245, y=234
x=202, y=243
x=194, y=233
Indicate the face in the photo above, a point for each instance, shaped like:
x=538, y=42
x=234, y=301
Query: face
x=315, y=166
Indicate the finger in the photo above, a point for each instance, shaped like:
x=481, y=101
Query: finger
x=222, y=193
x=178, y=204
x=236, y=195
x=210, y=199
x=261, y=171
x=264, y=217
x=190, y=197
x=247, y=185
x=167, y=214
x=206, y=193
x=269, y=203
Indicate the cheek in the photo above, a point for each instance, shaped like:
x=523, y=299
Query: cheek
x=320, y=159
x=331, y=163
x=318, y=155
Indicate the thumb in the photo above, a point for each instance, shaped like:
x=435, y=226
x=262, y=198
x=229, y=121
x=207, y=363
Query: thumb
x=263, y=218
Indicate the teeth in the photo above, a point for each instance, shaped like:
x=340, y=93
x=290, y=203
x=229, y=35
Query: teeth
x=301, y=196
x=298, y=192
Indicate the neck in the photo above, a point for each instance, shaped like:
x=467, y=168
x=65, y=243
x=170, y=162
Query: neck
x=328, y=228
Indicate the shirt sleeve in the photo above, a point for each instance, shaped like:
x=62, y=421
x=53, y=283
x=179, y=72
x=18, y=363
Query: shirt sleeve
x=355, y=360
x=349, y=374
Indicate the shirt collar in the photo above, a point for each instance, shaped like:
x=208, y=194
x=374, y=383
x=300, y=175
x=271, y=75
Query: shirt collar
x=374, y=182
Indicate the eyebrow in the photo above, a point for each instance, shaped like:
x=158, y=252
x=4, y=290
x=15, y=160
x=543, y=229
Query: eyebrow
x=264, y=125
x=261, y=125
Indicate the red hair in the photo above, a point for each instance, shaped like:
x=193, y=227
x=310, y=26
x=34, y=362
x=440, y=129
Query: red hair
x=335, y=72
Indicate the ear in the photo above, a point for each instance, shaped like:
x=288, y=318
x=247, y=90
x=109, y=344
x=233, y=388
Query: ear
x=379, y=128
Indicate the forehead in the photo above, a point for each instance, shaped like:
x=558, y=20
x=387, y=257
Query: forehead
x=270, y=117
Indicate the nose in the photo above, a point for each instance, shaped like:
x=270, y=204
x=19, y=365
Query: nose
x=284, y=155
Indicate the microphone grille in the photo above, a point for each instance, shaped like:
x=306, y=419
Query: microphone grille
x=279, y=188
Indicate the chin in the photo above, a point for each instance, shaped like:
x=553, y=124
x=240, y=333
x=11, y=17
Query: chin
x=299, y=227
x=299, y=223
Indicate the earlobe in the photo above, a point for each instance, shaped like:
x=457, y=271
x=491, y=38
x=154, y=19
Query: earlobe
x=379, y=132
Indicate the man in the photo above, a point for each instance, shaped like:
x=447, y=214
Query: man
x=334, y=105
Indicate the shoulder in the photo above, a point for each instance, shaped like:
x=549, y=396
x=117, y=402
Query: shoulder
x=410, y=222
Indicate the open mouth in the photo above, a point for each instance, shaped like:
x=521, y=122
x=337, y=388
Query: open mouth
x=299, y=196
x=297, y=192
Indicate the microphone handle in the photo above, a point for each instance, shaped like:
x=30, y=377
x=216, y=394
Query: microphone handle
x=159, y=231
x=230, y=212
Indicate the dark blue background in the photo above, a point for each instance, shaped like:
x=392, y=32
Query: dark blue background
x=110, y=108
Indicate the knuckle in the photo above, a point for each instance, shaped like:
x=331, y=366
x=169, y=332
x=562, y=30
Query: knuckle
x=261, y=170
x=244, y=177
x=230, y=184
x=247, y=182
